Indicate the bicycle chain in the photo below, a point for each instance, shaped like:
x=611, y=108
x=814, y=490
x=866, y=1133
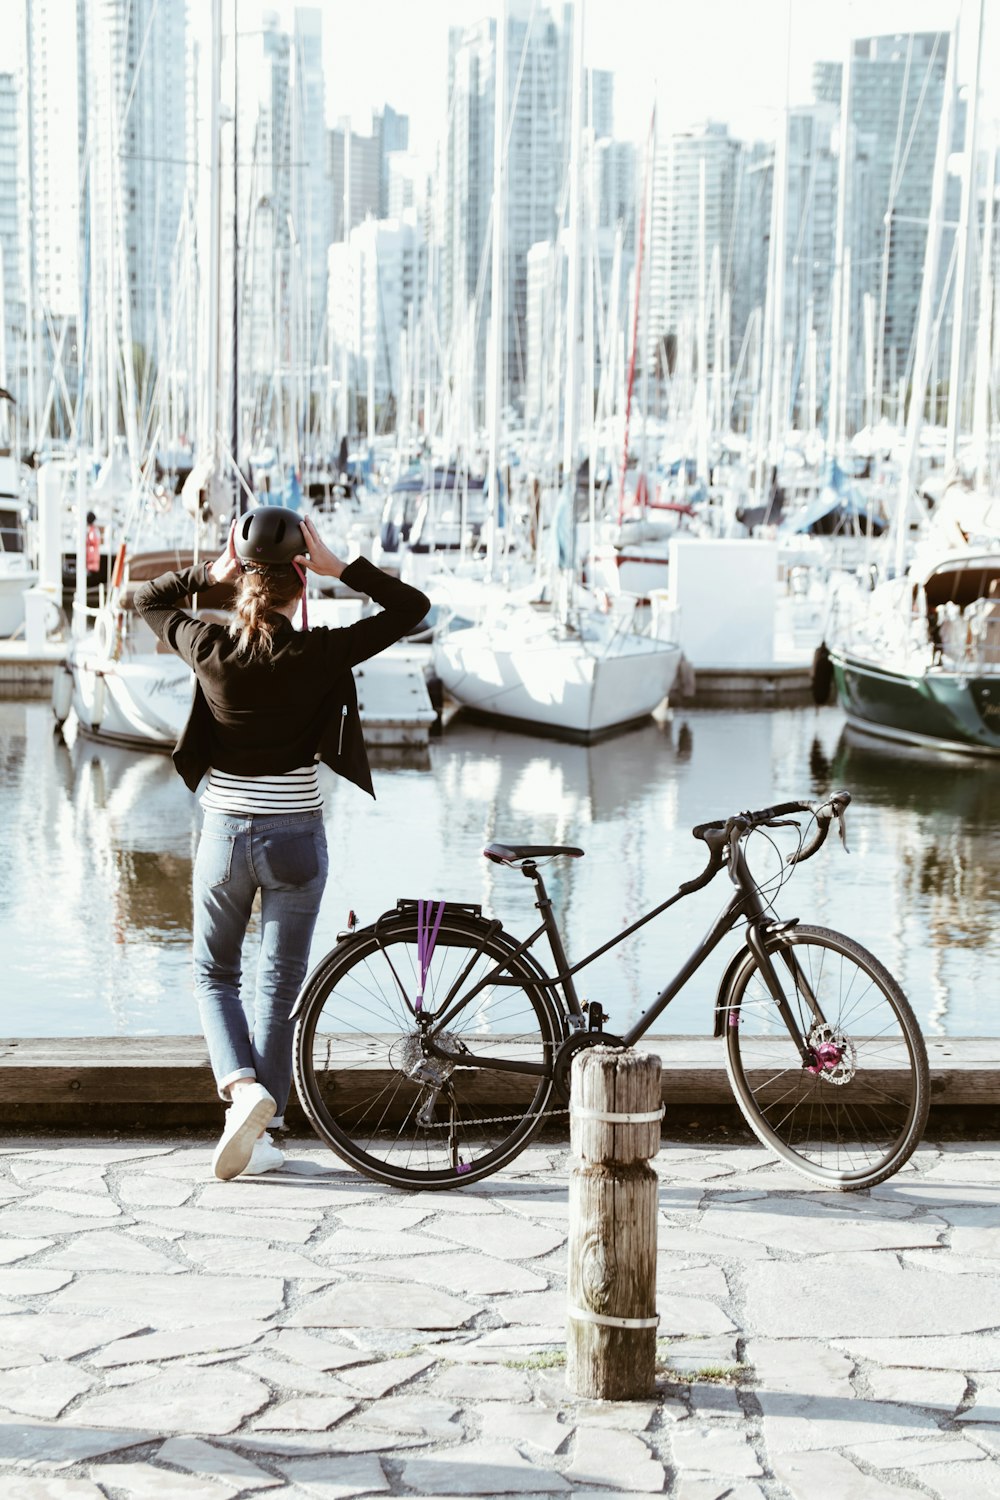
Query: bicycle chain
x=496, y=1119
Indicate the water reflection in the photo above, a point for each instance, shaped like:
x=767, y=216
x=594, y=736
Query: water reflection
x=943, y=840
x=95, y=873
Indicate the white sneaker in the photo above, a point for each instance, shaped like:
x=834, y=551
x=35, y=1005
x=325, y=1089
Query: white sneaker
x=265, y=1157
x=252, y=1108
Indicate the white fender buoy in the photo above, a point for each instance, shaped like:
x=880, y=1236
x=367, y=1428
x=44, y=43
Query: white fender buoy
x=62, y=694
x=98, y=702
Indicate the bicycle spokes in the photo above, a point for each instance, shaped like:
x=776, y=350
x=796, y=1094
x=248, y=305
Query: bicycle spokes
x=850, y=1109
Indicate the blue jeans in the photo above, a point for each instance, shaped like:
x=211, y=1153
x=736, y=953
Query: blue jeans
x=284, y=857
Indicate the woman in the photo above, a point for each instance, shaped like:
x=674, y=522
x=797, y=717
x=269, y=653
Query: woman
x=269, y=703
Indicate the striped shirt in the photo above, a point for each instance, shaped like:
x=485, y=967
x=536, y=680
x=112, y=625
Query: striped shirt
x=291, y=791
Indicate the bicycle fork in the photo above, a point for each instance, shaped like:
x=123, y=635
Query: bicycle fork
x=760, y=930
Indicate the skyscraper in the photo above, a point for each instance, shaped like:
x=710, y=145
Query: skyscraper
x=896, y=95
x=11, y=293
x=308, y=160
x=393, y=133
x=136, y=142
x=691, y=167
x=533, y=174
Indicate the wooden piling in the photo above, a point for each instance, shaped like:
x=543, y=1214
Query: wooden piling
x=611, y=1317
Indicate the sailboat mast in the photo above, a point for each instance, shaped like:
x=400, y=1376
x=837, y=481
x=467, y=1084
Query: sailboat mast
x=635, y=316
x=497, y=299
x=981, y=403
x=962, y=256
x=837, y=352
x=239, y=498
x=925, y=318
x=209, y=402
x=572, y=403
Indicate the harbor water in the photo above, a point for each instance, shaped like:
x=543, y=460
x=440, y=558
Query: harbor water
x=95, y=861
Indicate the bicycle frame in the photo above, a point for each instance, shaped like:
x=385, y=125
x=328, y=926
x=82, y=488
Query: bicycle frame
x=746, y=903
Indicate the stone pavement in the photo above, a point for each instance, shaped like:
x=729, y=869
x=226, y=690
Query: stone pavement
x=312, y=1334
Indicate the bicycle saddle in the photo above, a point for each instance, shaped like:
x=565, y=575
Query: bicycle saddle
x=512, y=854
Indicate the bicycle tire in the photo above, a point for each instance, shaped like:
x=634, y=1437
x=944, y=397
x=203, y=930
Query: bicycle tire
x=356, y=1047
x=856, y=1117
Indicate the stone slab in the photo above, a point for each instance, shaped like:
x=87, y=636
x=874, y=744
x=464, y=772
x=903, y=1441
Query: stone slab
x=478, y=1469
x=887, y=1301
x=172, y=1301
x=383, y=1305
x=198, y=1457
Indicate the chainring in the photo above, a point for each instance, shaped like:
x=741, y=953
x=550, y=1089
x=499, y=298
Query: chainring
x=574, y=1043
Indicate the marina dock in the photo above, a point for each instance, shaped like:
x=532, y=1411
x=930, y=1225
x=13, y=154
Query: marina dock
x=149, y=1082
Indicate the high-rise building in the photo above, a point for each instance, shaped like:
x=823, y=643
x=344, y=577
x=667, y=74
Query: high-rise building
x=810, y=207
x=11, y=293
x=896, y=94
x=393, y=133
x=598, y=101
x=52, y=134
x=311, y=187
x=136, y=143
x=377, y=281
x=694, y=171
x=407, y=183
x=264, y=126
x=364, y=165
x=533, y=176
x=548, y=279
x=616, y=167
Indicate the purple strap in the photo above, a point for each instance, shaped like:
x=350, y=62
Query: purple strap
x=305, y=607
x=427, y=931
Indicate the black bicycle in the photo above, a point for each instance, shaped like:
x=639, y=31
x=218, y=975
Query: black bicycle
x=399, y=1025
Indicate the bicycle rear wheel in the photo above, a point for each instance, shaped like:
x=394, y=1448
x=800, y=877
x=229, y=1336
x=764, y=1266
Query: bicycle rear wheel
x=854, y=1116
x=367, y=1085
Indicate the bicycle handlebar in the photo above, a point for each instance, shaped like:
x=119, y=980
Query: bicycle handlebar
x=731, y=830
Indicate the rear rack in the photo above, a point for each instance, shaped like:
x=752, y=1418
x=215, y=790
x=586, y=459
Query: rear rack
x=453, y=908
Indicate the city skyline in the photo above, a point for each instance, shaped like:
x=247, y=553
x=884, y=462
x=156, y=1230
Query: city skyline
x=657, y=49
x=117, y=248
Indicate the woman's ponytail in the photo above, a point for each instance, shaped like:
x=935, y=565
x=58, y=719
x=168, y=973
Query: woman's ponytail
x=260, y=593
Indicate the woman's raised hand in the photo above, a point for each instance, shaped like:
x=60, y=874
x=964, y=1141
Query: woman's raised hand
x=227, y=565
x=320, y=559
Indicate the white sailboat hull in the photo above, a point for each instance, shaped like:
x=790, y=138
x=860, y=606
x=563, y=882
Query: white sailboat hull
x=566, y=686
x=143, y=702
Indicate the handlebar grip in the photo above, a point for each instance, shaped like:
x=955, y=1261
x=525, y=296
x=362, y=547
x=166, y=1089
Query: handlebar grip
x=700, y=829
x=816, y=842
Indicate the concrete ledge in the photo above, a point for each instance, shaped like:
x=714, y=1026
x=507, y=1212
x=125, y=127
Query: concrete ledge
x=777, y=682
x=28, y=673
x=138, y=1081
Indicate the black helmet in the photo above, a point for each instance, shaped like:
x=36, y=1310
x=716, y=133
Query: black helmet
x=269, y=536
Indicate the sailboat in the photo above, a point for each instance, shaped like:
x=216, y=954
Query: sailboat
x=124, y=686
x=917, y=659
x=564, y=668
x=16, y=573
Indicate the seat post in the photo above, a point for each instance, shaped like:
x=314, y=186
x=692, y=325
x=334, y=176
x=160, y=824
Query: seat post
x=544, y=905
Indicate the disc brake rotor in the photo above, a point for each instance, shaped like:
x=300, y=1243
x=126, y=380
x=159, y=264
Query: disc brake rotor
x=836, y=1057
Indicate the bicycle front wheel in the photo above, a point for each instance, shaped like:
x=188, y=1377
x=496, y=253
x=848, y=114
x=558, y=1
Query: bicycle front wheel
x=852, y=1115
x=362, y=1068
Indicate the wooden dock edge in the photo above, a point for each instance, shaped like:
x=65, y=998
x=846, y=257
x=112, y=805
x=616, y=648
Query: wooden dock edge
x=145, y=1082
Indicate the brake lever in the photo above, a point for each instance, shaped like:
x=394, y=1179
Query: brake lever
x=842, y=829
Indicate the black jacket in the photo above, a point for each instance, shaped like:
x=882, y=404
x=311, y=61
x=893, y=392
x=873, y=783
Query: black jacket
x=264, y=715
